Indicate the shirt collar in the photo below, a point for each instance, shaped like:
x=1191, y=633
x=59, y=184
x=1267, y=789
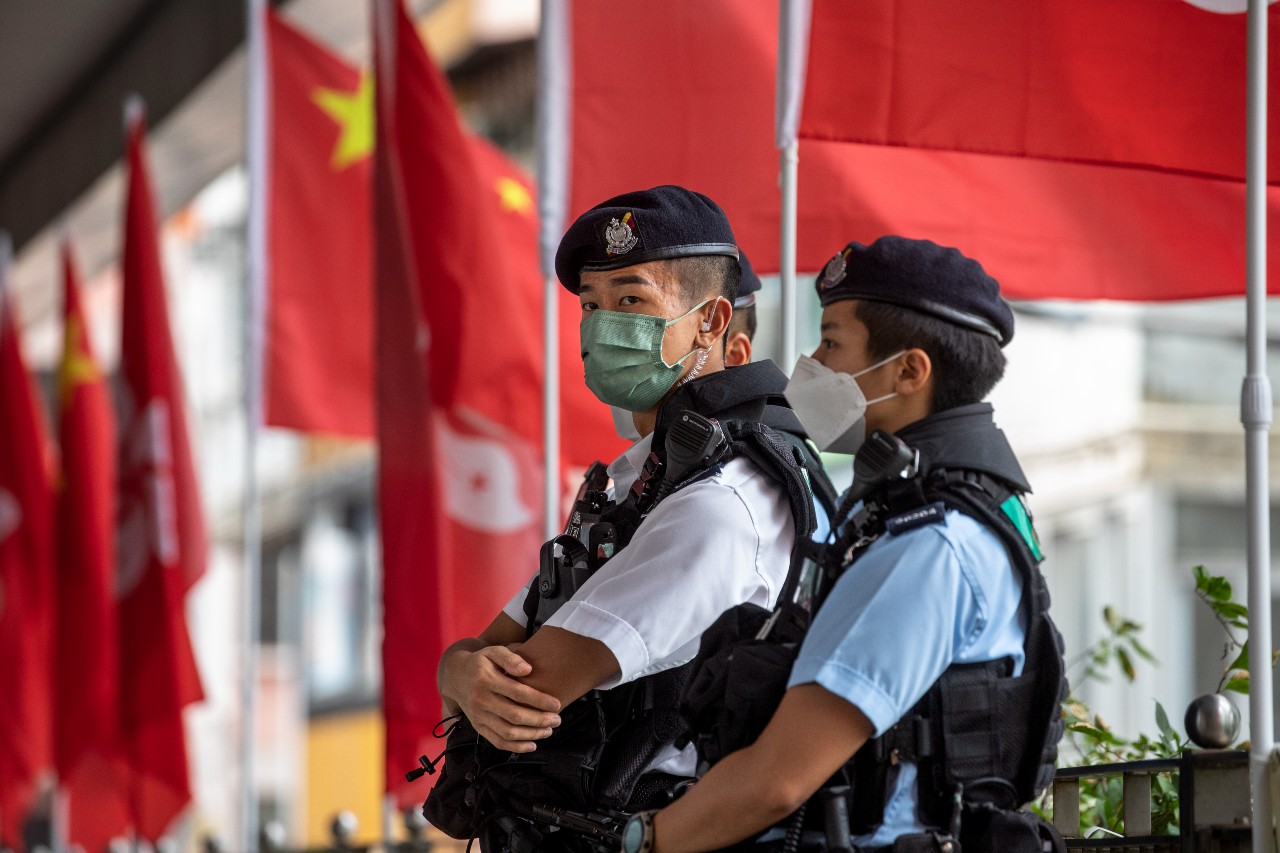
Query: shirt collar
x=627, y=467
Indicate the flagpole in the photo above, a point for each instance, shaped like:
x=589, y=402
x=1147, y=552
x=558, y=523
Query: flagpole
x=255, y=285
x=1255, y=415
x=60, y=819
x=793, y=54
x=388, y=822
x=553, y=184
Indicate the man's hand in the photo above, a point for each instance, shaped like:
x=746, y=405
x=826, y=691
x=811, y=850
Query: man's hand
x=506, y=712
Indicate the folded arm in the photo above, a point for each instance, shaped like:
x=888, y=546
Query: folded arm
x=512, y=691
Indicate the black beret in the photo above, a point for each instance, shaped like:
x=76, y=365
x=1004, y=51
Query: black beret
x=922, y=275
x=648, y=225
x=748, y=285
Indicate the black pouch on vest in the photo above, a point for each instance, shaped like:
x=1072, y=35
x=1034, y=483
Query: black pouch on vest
x=987, y=829
x=736, y=683
x=450, y=805
x=478, y=779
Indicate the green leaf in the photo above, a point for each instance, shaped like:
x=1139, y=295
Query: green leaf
x=1126, y=664
x=1143, y=651
x=1128, y=626
x=1097, y=734
x=1218, y=588
x=1238, y=683
x=1242, y=659
x=1109, y=616
x=1201, y=576
x=1162, y=720
x=1231, y=610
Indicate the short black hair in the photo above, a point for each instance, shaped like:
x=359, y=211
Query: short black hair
x=967, y=364
x=706, y=277
x=743, y=320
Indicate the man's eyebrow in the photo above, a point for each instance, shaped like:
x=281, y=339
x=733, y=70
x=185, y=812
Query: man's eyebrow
x=631, y=278
x=828, y=326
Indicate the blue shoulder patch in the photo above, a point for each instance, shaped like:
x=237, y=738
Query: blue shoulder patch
x=933, y=513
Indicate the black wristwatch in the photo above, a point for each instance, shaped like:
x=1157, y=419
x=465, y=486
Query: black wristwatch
x=637, y=833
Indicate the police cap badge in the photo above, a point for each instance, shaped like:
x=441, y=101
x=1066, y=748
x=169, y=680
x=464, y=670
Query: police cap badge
x=921, y=275
x=649, y=225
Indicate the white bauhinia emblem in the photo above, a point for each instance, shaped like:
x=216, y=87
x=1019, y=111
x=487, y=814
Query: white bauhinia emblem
x=148, y=515
x=1225, y=7
x=482, y=482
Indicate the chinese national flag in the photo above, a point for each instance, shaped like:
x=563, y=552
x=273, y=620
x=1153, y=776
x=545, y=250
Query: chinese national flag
x=161, y=536
x=1078, y=148
x=88, y=666
x=319, y=342
x=26, y=581
x=459, y=385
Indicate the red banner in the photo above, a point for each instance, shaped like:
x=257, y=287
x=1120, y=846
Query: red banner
x=161, y=546
x=320, y=315
x=88, y=656
x=459, y=387
x=26, y=583
x=319, y=347
x=1079, y=150
x=1083, y=150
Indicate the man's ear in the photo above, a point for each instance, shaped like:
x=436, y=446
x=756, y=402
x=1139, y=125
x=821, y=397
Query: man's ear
x=737, y=350
x=712, y=326
x=915, y=370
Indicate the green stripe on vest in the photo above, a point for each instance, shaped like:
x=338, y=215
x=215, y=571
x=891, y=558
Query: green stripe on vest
x=1017, y=512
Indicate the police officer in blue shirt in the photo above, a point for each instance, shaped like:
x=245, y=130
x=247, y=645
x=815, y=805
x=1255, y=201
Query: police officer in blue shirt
x=915, y=662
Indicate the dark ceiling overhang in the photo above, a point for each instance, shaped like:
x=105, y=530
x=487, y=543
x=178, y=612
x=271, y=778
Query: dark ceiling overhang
x=69, y=65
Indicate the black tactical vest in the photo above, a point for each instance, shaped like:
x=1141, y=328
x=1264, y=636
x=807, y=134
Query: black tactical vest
x=980, y=736
x=596, y=757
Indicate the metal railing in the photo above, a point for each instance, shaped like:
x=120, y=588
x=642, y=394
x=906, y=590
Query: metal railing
x=1213, y=799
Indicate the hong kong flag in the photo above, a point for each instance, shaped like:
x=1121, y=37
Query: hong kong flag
x=161, y=545
x=88, y=655
x=26, y=579
x=459, y=379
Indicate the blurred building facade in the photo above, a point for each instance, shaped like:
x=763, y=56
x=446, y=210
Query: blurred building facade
x=1126, y=418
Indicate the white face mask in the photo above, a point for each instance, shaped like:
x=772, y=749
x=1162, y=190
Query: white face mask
x=624, y=424
x=831, y=405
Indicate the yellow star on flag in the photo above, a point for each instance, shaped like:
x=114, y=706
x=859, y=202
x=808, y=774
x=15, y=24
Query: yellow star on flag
x=353, y=111
x=77, y=366
x=514, y=196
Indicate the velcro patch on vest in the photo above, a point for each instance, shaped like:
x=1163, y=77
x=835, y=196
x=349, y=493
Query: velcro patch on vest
x=933, y=513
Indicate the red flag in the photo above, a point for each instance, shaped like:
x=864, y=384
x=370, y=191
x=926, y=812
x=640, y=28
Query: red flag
x=672, y=92
x=161, y=545
x=319, y=346
x=88, y=666
x=320, y=292
x=1137, y=83
x=1140, y=201
x=26, y=581
x=1090, y=149
x=459, y=384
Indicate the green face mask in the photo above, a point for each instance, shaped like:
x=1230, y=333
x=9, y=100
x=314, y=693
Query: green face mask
x=622, y=356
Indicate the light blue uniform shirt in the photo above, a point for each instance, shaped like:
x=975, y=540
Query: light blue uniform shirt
x=909, y=607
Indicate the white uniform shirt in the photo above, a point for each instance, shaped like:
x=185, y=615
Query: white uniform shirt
x=717, y=543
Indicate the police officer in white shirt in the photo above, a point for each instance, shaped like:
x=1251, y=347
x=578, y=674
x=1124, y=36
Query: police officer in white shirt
x=656, y=274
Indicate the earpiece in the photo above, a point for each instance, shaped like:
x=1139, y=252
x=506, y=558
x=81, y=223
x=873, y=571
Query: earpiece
x=706, y=327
